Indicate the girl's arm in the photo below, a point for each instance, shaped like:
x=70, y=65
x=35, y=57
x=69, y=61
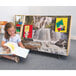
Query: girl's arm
x=20, y=44
x=2, y=44
x=7, y=49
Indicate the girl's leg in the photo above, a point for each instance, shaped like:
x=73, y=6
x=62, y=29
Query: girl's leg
x=15, y=58
x=8, y=57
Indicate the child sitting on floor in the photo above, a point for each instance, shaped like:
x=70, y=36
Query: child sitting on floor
x=11, y=36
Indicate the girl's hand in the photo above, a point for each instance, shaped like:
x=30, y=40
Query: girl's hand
x=21, y=45
x=5, y=47
x=8, y=50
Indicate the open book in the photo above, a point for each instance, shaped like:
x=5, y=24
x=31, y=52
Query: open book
x=15, y=49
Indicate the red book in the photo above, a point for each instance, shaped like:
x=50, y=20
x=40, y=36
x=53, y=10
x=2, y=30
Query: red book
x=17, y=24
x=27, y=33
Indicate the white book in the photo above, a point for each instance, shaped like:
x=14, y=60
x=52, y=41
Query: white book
x=15, y=49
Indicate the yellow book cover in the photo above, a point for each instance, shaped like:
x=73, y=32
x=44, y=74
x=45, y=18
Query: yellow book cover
x=61, y=25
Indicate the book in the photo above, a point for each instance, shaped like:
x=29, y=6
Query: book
x=27, y=33
x=15, y=49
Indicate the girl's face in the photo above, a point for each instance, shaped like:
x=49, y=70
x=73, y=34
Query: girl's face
x=11, y=31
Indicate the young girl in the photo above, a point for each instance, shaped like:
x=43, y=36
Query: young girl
x=11, y=36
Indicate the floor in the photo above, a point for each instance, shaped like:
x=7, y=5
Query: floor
x=42, y=61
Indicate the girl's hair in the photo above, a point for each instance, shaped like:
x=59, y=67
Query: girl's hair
x=7, y=26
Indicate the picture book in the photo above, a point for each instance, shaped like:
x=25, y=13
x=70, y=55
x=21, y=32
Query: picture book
x=16, y=50
x=27, y=31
